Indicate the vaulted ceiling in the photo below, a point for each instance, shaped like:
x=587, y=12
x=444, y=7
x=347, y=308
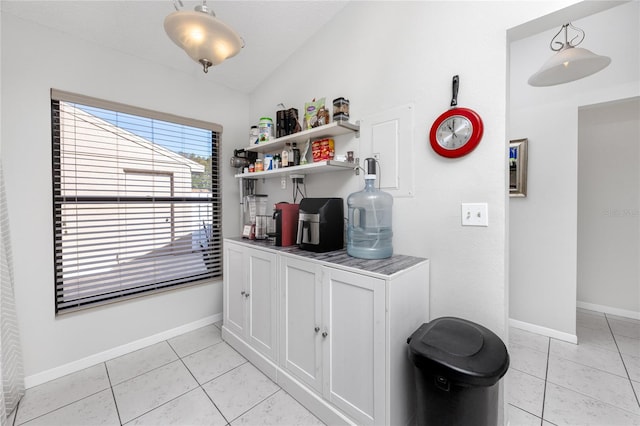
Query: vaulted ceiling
x=272, y=30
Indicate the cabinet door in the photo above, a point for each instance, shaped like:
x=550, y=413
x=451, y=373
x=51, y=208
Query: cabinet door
x=354, y=346
x=234, y=289
x=262, y=298
x=301, y=354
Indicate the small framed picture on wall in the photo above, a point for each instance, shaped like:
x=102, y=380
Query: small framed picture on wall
x=518, y=167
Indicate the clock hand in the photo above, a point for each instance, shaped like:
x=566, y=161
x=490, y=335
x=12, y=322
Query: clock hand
x=461, y=128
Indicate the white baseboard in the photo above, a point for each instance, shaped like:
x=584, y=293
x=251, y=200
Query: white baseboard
x=608, y=310
x=549, y=332
x=72, y=367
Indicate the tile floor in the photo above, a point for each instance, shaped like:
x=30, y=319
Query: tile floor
x=551, y=382
x=196, y=379
x=192, y=379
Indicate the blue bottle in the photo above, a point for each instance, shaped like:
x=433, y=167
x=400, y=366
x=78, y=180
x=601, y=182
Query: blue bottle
x=369, y=233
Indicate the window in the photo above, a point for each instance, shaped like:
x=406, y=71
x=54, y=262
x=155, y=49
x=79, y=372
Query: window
x=136, y=201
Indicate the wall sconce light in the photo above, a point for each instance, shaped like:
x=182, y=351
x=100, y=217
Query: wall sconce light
x=205, y=38
x=570, y=62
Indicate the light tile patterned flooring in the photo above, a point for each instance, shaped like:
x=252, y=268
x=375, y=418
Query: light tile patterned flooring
x=196, y=379
x=597, y=382
x=192, y=379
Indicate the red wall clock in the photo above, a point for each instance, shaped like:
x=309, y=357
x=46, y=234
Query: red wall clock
x=458, y=131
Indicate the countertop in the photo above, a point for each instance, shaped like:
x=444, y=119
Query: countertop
x=384, y=267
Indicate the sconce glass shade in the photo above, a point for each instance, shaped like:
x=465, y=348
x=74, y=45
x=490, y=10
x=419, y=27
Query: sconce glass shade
x=569, y=64
x=205, y=38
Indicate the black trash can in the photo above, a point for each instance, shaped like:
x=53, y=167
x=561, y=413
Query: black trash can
x=457, y=366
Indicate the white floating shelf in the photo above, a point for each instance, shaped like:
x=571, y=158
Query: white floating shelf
x=304, y=169
x=337, y=128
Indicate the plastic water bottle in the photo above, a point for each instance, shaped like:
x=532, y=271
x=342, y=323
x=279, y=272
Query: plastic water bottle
x=369, y=233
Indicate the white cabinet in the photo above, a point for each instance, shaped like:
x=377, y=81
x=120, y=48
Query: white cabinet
x=301, y=320
x=332, y=326
x=234, y=288
x=342, y=329
x=250, y=296
x=353, y=332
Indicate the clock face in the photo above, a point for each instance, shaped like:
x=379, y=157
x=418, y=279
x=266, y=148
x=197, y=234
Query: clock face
x=456, y=132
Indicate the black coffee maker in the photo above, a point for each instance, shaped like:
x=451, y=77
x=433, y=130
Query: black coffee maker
x=321, y=224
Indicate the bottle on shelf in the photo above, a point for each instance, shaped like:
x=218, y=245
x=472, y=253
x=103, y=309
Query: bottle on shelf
x=296, y=154
x=285, y=154
x=290, y=154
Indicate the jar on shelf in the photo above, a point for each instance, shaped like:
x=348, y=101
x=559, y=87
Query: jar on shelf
x=259, y=166
x=265, y=130
x=341, y=109
x=253, y=135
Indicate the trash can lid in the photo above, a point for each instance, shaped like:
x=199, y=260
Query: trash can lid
x=462, y=351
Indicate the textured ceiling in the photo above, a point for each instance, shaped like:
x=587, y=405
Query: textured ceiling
x=272, y=30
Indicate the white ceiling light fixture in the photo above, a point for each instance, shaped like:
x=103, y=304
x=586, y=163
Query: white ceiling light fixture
x=205, y=38
x=570, y=62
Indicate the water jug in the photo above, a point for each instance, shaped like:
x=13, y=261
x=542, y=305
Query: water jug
x=369, y=233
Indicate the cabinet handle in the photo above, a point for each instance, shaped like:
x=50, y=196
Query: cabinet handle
x=316, y=329
x=324, y=334
x=246, y=295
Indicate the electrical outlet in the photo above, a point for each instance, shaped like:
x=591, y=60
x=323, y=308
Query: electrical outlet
x=475, y=214
x=283, y=182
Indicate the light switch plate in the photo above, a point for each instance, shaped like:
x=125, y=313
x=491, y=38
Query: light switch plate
x=475, y=214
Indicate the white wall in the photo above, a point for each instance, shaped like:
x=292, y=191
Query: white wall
x=35, y=59
x=386, y=54
x=378, y=54
x=543, y=226
x=608, y=206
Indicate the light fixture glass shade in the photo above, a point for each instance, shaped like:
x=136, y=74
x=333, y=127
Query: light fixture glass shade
x=569, y=64
x=205, y=38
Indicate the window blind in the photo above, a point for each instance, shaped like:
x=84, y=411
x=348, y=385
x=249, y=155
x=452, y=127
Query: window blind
x=136, y=201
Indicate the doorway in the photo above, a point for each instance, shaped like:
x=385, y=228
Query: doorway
x=608, y=271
